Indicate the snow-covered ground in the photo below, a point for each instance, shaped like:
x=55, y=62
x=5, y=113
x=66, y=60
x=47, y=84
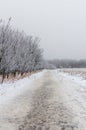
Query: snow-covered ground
x=10, y=90
x=75, y=78
x=74, y=88
x=15, y=101
x=67, y=102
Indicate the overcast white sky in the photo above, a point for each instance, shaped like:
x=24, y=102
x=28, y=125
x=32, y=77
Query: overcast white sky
x=61, y=24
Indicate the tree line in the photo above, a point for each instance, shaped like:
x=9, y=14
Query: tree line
x=18, y=51
x=67, y=63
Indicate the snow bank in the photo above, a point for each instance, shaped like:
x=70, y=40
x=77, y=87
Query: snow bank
x=75, y=78
x=10, y=90
x=74, y=96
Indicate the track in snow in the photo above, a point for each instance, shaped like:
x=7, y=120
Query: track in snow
x=44, y=107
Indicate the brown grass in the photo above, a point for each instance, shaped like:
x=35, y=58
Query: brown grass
x=17, y=76
x=75, y=71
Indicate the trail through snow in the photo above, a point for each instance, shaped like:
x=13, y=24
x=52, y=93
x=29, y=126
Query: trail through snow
x=47, y=100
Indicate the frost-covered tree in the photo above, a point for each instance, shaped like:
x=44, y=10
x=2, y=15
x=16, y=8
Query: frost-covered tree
x=68, y=63
x=4, y=38
x=18, y=52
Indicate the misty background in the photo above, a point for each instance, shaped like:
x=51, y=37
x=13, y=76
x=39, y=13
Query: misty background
x=60, y=24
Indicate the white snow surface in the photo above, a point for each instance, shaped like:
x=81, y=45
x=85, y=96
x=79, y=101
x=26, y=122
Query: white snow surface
x=74, y=96
x=10, y=90
x=75, y=78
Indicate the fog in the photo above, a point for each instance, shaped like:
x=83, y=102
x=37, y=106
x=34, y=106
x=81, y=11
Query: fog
x=60, y=24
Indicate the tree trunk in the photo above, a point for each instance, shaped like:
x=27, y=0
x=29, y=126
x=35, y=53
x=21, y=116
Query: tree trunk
x=3, y=76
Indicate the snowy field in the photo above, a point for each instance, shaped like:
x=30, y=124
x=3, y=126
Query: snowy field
x=75, y=93
x=79, y=72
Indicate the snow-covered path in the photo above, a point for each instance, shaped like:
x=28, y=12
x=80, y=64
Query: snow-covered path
x=51, y=101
